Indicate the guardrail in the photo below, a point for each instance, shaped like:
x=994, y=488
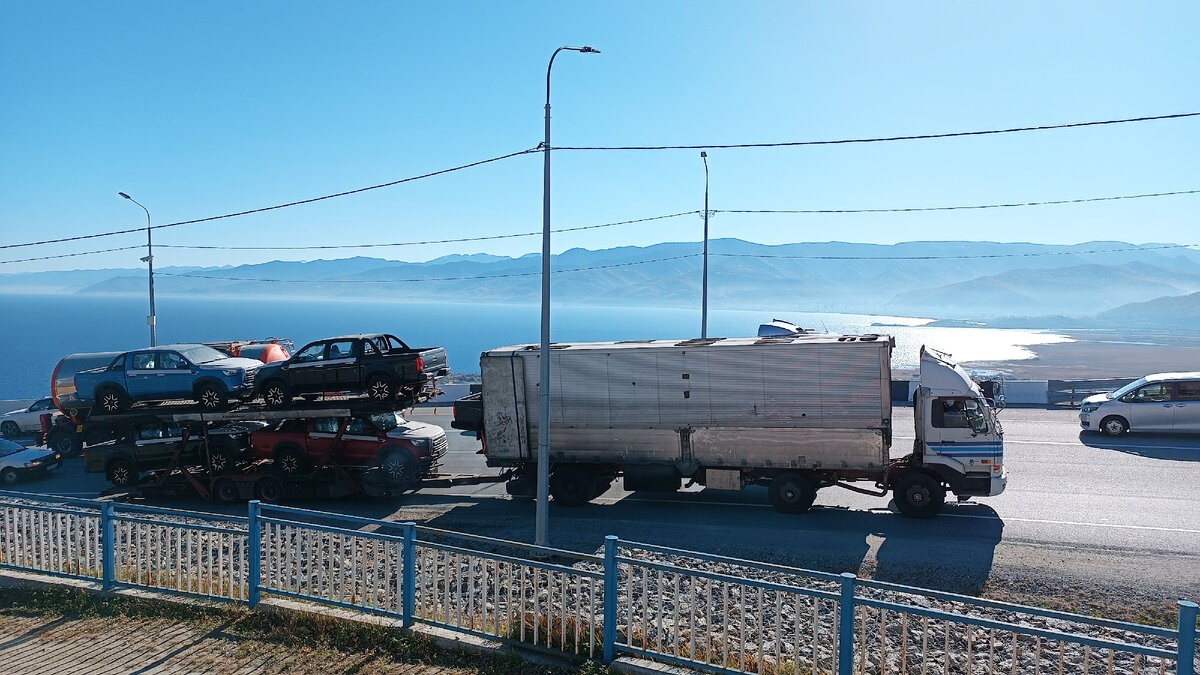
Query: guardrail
x=702, y=611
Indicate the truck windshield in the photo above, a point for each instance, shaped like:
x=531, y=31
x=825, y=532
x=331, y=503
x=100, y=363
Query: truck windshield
x=975, y=417
x=202, y=354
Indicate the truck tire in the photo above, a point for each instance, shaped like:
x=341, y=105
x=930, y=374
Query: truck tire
x=64, y=441
x=400, y=467
x=269, y=490
x=572, y=485
x=1114, y=426
x=221, y=457
x=120, y=472
x=792, y=492
x=9, y=429
x=919, y=495
x=225, y=491
x=112, y=400
x=276, y=394
x=380, y=388
x=211, y=396
x=291, y=460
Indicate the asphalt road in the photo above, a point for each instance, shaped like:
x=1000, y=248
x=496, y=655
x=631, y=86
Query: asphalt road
x=1082, y=512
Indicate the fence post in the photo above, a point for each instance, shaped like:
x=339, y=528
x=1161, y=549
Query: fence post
x=108, y=537
x=846, y=625
x=1185, y=664
x=254, y=541
x=610, y=598
x=409, y=573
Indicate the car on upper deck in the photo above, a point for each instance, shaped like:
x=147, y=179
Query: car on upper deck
x=379, y=365
x=170, y=372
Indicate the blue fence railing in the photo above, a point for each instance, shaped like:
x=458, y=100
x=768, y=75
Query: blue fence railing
x=702, y=611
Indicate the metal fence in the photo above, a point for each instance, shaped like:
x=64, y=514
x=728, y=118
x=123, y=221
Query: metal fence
x=702, y=611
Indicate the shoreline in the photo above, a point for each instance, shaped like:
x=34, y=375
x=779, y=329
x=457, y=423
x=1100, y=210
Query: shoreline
x=1096, y=354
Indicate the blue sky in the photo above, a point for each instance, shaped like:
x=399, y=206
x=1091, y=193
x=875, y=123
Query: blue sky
x=201, y=109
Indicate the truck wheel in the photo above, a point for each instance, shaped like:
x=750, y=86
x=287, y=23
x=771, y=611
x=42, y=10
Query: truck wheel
x=9, y=429
x=792, y=492
x=221, y=457
x=399, y=467
x=276, y=394
x=269, y=490
x=211, y=396
x=64, y=442
x=112, y=400
x=1114, y=426
x=291, y=460
x=9, y=476
x=225, y=492
x=120, y=472
x=572, y=485
x=919, y=495
x=379, y=388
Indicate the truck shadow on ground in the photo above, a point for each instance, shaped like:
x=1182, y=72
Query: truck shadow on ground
x=1178, y=447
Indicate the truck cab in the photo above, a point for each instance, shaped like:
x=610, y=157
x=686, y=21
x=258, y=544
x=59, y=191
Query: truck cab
x=958, y=434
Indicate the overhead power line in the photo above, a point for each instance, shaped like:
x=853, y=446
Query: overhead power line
x=1031, y=254
x=883, y=139
x=962, y=208
x=403, y=281
x=630, y=147
x=70, y=255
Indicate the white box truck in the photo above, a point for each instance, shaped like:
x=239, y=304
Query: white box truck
x=792, y=413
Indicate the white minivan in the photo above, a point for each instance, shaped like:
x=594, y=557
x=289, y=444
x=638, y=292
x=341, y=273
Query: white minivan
x=1164, y=402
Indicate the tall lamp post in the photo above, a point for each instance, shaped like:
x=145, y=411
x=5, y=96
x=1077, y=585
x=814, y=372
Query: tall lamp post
x=151, y=320
x=704, y=282
x=543, y=456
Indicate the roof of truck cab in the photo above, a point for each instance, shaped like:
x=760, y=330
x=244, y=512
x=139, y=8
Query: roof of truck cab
x=706, y=343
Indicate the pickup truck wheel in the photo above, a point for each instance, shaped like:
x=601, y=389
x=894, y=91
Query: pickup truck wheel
x=276, y=394
x=9, y=429
x=792, y=492
x=269, y=490
x=120, y=472
x=225, y=492
x=221, y=457
x=919, y=495
x=211, y=396
x=291, y=460
x=1114, y=426
x=112, y=400
x=64, y=441
x=9, y=476
x=400, y=467
x=572, y=485
x=380, y=388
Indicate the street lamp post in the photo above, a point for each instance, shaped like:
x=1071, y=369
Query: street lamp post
x=152, y=320
x=704, y=282
x=543, y=455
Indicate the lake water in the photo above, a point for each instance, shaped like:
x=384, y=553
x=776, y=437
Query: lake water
x=38, y=330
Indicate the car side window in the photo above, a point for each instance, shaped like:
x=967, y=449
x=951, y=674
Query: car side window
x=358, y=428
x=1187, y=391
x=40, y=405
x=171, y=361
x=142, y=361
x=369, y=348
x=326, y=425
x=1159, y=392
x=342, y=349
x=311, y=353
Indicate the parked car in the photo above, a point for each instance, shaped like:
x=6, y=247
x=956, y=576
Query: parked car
x=17, y=461
x=26, y=420
x=184, y=371
x=377, y=364
x=1165, y=402
x=154, y=446
x=405, y=450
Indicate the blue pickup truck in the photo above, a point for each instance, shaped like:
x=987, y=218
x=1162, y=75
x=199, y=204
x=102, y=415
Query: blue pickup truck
x=185, y=371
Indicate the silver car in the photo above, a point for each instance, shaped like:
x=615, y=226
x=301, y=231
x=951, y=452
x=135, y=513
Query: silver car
x=26, y=420
x=17, y=460
x=1163, y=402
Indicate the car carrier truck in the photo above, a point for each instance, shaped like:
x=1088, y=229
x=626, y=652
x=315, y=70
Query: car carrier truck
x=792, y=413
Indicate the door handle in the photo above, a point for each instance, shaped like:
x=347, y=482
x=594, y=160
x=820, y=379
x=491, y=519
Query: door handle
x=1168, y=405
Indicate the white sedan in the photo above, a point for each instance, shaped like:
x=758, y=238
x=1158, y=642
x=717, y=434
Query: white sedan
x=17, y=460
x=25, y=420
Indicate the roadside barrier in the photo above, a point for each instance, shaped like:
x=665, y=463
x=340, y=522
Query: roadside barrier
x=701, y=611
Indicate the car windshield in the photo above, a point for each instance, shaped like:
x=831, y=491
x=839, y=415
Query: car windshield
x=385, y=422
x=7, y=447
x=202, y=354
x=1127, y=388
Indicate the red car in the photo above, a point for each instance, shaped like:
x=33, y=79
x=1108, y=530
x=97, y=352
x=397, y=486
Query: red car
x=405, y=450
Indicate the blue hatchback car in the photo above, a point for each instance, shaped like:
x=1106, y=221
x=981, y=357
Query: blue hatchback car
x=170, y=372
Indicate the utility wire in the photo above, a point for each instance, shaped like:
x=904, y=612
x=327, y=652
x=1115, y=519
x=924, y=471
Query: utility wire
x=656, y=147
x=69, y=255
x=402, y=281
x=885, y=139
x=278, y=206
x=432, y=241
x=961, y=208
x=1032, y=254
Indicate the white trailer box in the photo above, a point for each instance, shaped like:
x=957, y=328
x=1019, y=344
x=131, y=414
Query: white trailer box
x=803, y=402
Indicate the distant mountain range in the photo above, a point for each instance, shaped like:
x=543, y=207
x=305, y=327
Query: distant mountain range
x=1110, y=282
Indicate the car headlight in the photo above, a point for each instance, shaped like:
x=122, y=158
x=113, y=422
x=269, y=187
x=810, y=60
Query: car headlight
x=1089, y=407
x=232, y=373
x=32, y=465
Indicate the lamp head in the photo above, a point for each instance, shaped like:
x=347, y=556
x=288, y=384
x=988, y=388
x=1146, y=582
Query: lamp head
x=589, y=50
x=124, y=195
x=703, y=154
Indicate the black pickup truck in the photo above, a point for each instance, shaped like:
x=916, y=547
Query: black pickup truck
x=376, y=364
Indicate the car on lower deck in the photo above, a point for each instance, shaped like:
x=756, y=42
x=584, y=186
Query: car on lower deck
x=406, y=451
x=156, y=446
